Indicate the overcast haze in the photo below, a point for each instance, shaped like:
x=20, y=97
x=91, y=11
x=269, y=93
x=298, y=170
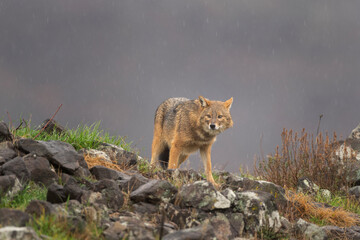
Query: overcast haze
x=284, y=62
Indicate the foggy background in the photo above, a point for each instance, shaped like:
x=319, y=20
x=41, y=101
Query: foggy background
x=284, y=62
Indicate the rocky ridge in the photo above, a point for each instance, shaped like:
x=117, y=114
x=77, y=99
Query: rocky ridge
x=133, y=204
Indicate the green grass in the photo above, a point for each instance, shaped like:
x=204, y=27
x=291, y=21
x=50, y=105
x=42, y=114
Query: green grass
x=23, y=198
x=340, y=200
x=84, y=136
x=62, y=229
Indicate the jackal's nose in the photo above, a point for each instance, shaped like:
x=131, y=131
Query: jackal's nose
x=212, y=126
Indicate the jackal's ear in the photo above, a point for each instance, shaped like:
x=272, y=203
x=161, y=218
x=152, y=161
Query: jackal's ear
x=204, y=102
x=228, y=103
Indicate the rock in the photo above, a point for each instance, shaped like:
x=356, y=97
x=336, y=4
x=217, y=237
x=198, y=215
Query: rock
x=201, y=232
x=101, y=172
x=305, y=185
x=119, y=155
x=309, y=230
x=56, y=194
x=16, y=167
x=33, y=162
x=334, y=232
x=145, y=208
x=52, y=126
x=187, y=175
x=10, y=185
x=202, y=195
x=112, y=196
x=39, y=207
x=229, y=194
x=129, y=228
x=59, y=153
x=44, y=176
x=67, y=179
x=184, y=218
x=73, y=191
x=355, y=133
x=93, y=153
x=348, y=149
x=355, y=191
x=154, y=191
x=5, y=134
x=259, y=209
x=12, y=217
x=135, y=181
x=238, y=183
x=18, y=233
x=237, y=224
x=220, y=226
x=7, y=151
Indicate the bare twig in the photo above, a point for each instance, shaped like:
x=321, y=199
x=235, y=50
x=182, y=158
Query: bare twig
x=21, y=123
x=318, y=128
x=43, y=128
x=10, y=122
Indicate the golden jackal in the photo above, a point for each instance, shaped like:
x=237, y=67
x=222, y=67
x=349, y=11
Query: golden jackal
x=183, y=126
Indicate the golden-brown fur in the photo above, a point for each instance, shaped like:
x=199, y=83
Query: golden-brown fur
x=183, y=126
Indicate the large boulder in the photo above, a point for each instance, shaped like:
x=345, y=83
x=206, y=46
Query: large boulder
x=59, y=153
x=259, y=210
x=202, y=195
x=155, y=191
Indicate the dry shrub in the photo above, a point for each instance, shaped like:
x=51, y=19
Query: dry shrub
x=306, y=208
x=305, y=156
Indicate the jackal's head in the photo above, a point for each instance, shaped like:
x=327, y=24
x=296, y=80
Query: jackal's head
x=215, y=115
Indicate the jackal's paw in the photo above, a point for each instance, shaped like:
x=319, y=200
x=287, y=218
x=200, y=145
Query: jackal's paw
x=217, y=186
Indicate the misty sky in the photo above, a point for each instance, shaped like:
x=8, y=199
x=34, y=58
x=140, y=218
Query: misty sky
x=284, y=62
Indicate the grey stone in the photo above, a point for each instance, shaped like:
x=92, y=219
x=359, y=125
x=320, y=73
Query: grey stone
x=154, y=191
x=101, y=172
x=355, y=133
x=12, y=217
x=7, y=150
x=16, y=167
x=59, y=153
x=9, y=185
x=5, y=134
x=130, y=228
x=18, y=233
x=119, y=155
x=238, y=183
x=39, y=207
x=305, y=185
x=259, y=210
x=135, y=181
x=309, y=230
x=56, y=194
x=111, y=195
x=44, y=176
x=202, y=195
x=196, y=233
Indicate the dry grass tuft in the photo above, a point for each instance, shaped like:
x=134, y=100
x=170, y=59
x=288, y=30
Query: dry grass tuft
x=306, y=208
x=99, y=161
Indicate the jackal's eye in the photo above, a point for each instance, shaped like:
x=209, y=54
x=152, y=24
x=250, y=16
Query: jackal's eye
x=208, y=116
x=220, y=116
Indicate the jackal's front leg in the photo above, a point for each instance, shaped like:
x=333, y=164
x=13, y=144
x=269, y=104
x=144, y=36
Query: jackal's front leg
x=205, y=153
x=174, y=157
